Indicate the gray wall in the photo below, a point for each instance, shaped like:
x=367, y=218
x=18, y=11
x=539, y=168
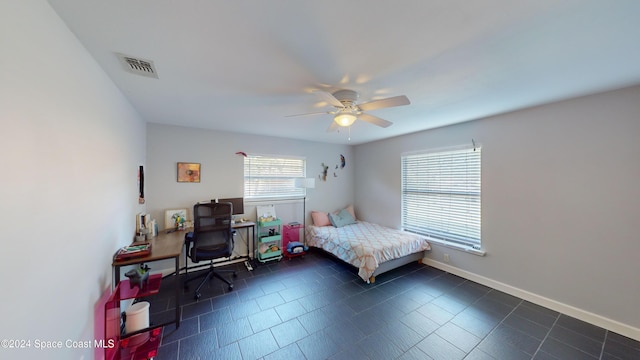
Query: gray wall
x=222, y=172
x=71, y=146
x=560, y=201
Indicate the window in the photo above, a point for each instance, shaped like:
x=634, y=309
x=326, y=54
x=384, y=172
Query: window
x=441, y=195
x=273, y=177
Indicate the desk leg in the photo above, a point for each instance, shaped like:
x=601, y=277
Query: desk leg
x=116, y=270
x=250, y=242
x=253, y=239
x=178, y=291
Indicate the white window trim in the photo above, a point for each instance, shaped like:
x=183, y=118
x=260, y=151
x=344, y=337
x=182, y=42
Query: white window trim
x=475, y=249
x=456, y=246
x=257, y=199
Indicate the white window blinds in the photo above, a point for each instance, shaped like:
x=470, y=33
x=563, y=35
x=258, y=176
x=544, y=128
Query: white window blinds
x=441, y=195
x=273, y=177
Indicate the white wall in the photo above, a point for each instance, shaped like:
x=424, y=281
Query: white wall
x=560, y=201
x=71, y=145
x=222, y=170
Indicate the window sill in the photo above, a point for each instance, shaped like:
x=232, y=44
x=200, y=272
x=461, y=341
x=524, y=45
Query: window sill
x=464, y=248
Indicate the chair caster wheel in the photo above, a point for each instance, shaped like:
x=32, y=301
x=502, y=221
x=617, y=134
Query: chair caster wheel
x=230, y=287
x=197, y=296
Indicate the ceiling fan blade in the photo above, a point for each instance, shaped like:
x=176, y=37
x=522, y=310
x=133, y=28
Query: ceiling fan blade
x=333, y=127
x=308, y=114
x=374, y=120
x=329, y=98
x=385, y=103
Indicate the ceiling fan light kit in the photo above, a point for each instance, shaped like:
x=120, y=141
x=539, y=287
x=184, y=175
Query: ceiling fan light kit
x=347, y=110
x=345, y=119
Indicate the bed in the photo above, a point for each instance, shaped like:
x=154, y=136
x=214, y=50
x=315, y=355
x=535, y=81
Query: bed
x=372, y=248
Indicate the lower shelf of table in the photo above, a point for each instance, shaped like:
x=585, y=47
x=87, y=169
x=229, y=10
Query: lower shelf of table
x=141, y=346
x=149, y=287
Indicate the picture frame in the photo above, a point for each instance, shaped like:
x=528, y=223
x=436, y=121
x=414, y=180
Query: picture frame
x=266, y=212
x=175, y=218
x=189, y=172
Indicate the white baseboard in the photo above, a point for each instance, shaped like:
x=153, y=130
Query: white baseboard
x=595, y=319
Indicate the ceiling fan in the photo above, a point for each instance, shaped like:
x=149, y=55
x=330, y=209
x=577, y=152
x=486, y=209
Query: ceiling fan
x=347, y=110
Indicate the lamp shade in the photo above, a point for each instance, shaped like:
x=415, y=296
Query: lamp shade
x=344, y=119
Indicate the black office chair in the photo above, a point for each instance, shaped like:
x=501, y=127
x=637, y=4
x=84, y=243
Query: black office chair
x=212, y=238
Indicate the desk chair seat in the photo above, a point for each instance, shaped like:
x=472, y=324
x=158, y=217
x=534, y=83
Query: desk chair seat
x=212, y=238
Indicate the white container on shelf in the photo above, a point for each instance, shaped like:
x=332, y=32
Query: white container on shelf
x=137, y=317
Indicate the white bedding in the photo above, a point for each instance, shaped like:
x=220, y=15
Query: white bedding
x=365, y=245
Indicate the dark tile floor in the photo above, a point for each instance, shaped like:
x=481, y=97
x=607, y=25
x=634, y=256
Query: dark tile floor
x=317, y=308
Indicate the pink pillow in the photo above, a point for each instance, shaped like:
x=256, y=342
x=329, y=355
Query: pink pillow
x=320, y=218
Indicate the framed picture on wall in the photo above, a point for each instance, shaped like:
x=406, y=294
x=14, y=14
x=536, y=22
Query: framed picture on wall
x=175, y=218
x=267, y=212
x=188, y=172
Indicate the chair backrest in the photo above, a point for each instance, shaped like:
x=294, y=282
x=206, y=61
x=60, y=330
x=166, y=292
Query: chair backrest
x=212, y=231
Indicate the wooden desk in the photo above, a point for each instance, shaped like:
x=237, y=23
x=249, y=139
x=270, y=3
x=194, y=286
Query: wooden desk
x=164, y=246
x=247, y=225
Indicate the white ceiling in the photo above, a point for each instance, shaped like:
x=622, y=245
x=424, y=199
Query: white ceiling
x=244, y=65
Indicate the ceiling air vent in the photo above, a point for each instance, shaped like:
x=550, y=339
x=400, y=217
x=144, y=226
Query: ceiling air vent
x=138, y=66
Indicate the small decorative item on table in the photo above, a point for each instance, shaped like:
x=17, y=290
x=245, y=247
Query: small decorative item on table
x=133, y=251
x=175, y=219
x=138, y=277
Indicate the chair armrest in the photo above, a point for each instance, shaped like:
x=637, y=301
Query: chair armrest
x=188, y=239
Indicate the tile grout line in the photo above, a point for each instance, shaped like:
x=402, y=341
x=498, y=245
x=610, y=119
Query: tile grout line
x=546, y=336
x=494, y=328
x=604, y=343
x=582, y=335
x=320, y=278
